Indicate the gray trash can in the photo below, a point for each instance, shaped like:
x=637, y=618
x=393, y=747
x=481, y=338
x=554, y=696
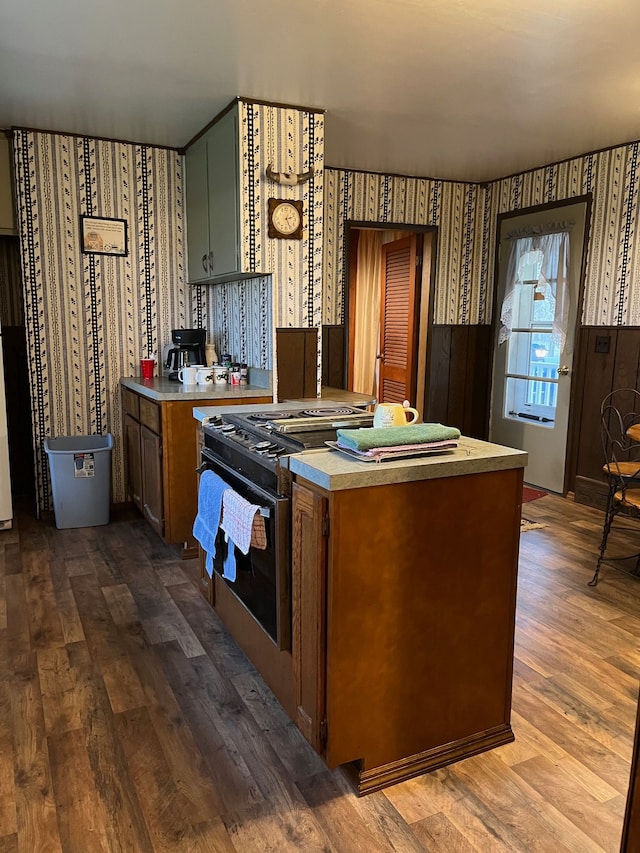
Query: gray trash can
x=80, y=467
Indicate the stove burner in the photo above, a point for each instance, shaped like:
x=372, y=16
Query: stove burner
x=326, y=413
x=270, y=416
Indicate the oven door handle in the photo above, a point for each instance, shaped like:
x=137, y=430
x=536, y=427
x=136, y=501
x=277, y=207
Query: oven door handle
x=213, y=462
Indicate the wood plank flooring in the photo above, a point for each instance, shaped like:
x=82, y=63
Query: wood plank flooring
x=130, y=721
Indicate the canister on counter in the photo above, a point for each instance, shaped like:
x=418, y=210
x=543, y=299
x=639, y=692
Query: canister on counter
x=244, y=374
x=234, y=374
x=225, y=359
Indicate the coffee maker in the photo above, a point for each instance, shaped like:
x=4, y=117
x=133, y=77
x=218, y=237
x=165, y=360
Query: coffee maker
x=187, y=347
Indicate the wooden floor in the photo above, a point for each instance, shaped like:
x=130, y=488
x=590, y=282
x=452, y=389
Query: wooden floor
x=129, y=720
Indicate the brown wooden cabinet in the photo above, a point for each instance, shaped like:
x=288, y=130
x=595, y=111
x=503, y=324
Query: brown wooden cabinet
x=404, y=612
x=151, y=474
x=309, y=612
x=132, y=454
x=161, y=460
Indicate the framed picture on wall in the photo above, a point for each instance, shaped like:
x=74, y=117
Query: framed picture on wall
x=102, y=236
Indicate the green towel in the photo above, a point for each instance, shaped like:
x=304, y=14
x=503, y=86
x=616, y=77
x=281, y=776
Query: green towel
x=368, y=438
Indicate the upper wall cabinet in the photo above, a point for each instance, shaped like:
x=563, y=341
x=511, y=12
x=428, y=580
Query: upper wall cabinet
x=212, y=166
x=7, y=219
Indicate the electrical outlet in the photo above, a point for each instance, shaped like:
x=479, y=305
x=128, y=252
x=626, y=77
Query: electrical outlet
x=603, y=343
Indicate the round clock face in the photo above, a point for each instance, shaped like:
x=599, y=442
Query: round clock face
x=286, y=218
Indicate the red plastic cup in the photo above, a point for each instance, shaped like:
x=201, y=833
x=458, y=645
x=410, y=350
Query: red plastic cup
x=146, y=367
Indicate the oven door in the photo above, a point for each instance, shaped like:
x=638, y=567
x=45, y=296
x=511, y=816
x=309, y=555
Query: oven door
x=263, y=576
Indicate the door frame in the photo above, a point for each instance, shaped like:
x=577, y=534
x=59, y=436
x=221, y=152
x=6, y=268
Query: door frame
x=350, y=245
x=577, y=379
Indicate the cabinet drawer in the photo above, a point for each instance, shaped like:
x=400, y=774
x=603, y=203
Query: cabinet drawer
x=150, y=415
x=131, y=403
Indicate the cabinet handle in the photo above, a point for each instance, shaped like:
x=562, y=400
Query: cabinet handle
x=205, y=265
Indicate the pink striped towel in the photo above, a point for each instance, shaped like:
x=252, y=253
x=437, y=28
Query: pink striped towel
x=237, y=519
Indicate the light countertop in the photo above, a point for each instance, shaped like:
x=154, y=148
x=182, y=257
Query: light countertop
x=162, y=389
x=334, y=471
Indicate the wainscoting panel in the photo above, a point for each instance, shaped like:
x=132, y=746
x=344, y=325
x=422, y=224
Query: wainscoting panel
x=297, y=355
x=457, y=391
x=599, y=374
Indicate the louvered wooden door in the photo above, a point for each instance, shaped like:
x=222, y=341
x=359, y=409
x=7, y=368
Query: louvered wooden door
x=398, y=321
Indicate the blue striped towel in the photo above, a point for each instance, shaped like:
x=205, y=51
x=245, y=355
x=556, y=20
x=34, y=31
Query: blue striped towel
x=205, y=527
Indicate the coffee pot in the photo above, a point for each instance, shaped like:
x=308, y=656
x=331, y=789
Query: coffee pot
x=187, y=349
x=394, y=414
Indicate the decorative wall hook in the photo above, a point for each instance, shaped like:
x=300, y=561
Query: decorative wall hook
x=290, y=179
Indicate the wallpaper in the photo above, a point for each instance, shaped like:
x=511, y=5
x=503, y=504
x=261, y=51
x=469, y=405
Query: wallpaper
x=90, y=318
x=466, y=216
x=612, y=286
x=460, y=211
x=237, y=317
x=290, y=140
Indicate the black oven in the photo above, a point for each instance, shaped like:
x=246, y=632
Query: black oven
x=249, y=450
x=263, y=576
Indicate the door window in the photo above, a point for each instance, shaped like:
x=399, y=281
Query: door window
x=533, y=356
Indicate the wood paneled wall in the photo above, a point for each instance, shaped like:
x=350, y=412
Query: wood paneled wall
x=458, y=375
x=333, y=344
x=598, y=374
x=297, y=359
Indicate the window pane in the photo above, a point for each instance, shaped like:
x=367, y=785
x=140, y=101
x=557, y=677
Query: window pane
x=531, y=400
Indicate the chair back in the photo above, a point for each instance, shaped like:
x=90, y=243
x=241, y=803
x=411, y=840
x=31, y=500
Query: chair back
x=619, y=411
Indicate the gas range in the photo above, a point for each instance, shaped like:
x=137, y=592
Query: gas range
x=267, y=436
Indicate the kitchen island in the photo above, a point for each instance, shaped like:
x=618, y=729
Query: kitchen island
x=403, y=591
x=160, y=448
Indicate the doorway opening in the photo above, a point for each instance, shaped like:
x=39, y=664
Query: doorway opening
x=387, y=310
x=537, y=307
x=17, y=396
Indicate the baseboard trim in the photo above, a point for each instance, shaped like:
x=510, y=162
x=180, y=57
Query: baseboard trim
x=376, y=778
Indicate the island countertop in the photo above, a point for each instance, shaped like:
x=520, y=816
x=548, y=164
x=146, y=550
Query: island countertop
x=334, y=471
x=162, y=389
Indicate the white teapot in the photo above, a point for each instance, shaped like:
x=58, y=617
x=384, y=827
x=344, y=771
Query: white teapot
x=394, y=414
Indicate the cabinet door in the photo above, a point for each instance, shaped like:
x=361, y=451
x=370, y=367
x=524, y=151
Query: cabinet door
x=197, y=206
x=133, y=460
x=224, y=190
x=151, y=453
x=309, y=613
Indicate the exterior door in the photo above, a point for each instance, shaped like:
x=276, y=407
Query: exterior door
x=396, y=358
x=533, y=370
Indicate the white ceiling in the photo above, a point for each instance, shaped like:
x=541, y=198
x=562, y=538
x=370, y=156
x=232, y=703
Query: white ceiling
x=466, y=89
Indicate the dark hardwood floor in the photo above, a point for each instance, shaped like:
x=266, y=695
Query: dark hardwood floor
x=130, y=721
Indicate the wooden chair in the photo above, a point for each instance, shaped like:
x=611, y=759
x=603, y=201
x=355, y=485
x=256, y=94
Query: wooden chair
x=620, y=434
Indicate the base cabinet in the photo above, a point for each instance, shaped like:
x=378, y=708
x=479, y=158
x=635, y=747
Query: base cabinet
x=161, y=460
x=404, y=615
x=133, y=459
x=309, y=612
x=152, y=490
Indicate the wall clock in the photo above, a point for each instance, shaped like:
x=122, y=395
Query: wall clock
x=285, y=218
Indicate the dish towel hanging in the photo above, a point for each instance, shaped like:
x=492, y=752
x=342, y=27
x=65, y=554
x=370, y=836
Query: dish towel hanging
x=207, y=521
x=237, y=522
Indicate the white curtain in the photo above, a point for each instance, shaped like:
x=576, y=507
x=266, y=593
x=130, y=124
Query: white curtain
x=553, y=275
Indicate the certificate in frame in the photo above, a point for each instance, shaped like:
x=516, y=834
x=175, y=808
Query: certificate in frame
x=103, y=236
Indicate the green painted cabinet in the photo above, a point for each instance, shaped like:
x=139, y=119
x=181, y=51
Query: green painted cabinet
x=212, y=167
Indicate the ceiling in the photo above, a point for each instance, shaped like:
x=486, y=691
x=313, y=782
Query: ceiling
x=463, y=89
